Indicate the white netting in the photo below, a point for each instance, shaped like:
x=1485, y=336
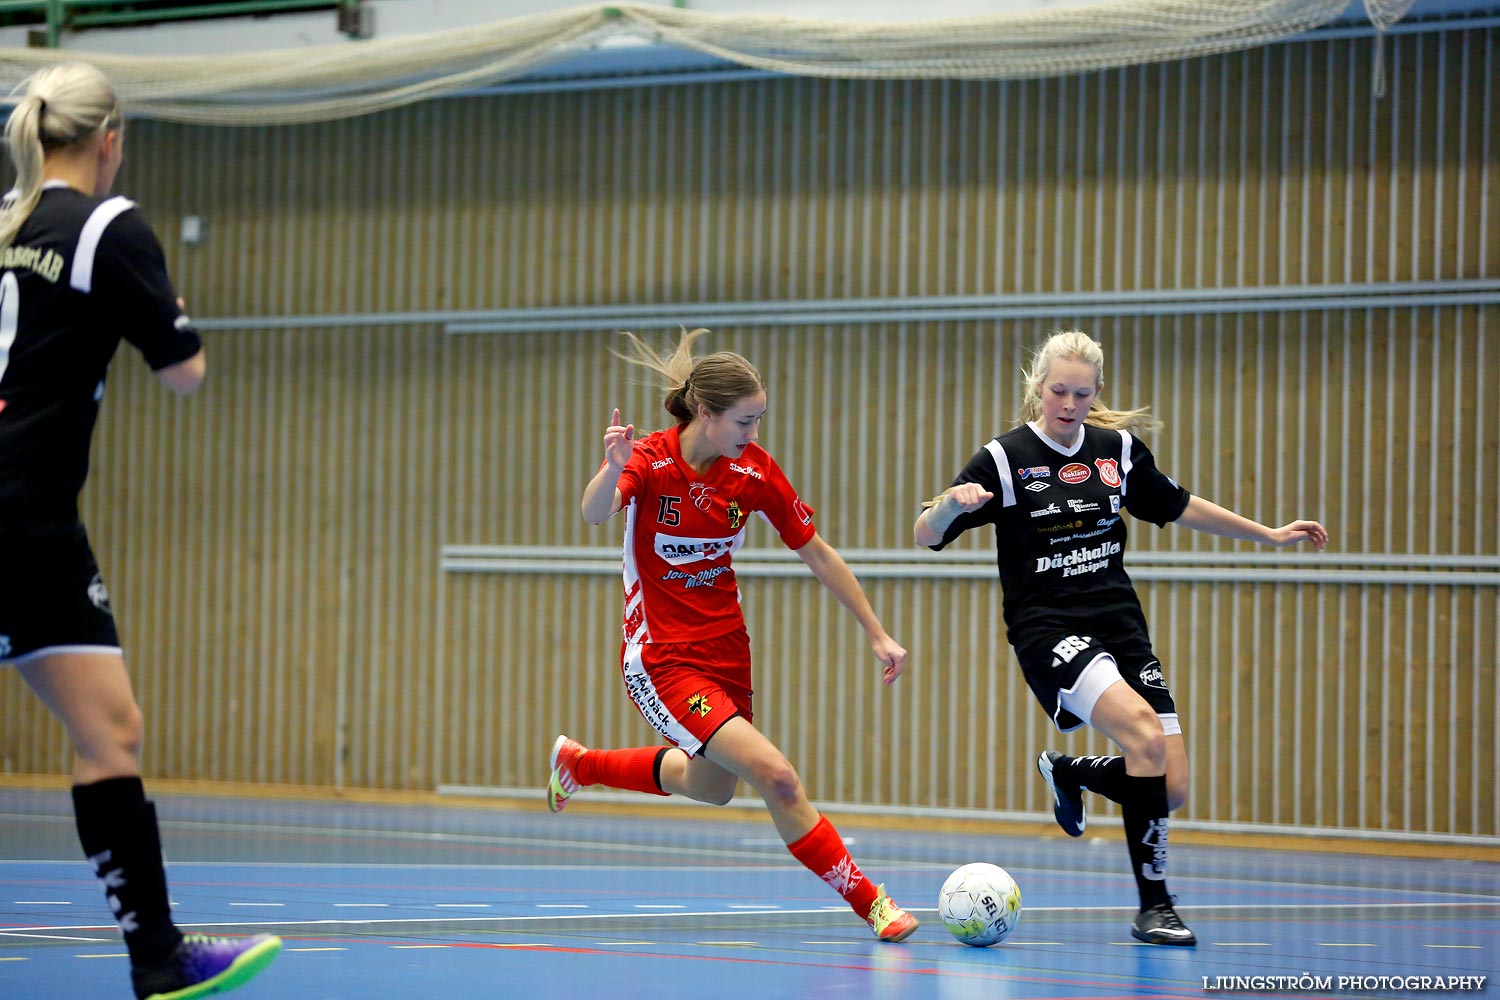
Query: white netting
x=358, y=77
x=1384, y=13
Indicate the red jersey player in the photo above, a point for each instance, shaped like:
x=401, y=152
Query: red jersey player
x=687, y=493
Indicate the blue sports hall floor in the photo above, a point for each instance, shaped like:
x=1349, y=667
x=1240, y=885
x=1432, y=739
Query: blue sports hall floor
x=472, y=901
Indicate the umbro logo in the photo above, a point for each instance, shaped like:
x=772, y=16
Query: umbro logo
x=1036, y=487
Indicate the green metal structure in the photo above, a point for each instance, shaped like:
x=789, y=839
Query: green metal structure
x=50, y=18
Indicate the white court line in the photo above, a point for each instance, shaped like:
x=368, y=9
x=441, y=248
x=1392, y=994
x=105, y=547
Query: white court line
x=47, y=937
x=675, y=850
x=883, y=864
x=1475, y=947
x=120, y=955
x=43, y=902
x=753, y=906
x=521, y=918
x=362, y=906
x=317, y=949
x=1344, y=944
x=257, y=904
x=788, y=866
x=462, y=906
x=562, y=906
x=414, y=947
x=16, y=958
x=660, y=906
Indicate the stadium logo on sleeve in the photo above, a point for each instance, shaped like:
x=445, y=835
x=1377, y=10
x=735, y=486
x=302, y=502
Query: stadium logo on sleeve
x=1075, y=473
x=1109, y=471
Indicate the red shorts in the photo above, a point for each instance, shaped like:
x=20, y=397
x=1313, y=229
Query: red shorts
x=687, y=690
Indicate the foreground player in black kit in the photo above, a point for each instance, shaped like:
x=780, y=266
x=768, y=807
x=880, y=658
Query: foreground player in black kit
x=1056, y=489
x=78, y=272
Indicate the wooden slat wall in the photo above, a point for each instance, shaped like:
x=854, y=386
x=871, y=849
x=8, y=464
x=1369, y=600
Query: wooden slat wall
x=272, y=544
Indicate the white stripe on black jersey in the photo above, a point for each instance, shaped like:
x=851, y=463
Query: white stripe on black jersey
x=1002, y=467
x=83, y=273
x=82, y=276
x=1060, y=538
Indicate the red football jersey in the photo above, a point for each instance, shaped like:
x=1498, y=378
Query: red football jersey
x=681, y=530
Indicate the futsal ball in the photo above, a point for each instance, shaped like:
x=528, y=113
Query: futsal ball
x=980, y=904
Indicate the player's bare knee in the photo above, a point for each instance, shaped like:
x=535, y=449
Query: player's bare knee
x=778, y=781
x=114, y=737
x=1145, y=743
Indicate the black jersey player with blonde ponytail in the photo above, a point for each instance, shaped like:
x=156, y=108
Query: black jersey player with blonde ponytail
x=1056, y=489
x=79, y=272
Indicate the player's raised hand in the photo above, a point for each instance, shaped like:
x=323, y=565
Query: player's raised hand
x=1300, y=531
x=619, y=441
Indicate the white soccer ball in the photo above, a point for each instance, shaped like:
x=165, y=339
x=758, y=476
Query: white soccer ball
x=980, y=904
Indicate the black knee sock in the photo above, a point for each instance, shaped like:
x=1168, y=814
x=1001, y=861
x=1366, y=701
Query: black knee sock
x=1144, y=810
x=1104, y=775
x=117, y=828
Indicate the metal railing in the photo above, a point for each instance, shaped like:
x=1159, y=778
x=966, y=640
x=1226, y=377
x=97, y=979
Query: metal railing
x=53, y=17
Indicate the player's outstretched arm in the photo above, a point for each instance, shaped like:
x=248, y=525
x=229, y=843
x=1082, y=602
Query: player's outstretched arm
x=1207, y=516
x=601, y=497
x=943, y=509
x=831, y=570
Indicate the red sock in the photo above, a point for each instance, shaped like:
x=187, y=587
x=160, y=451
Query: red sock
x=821, y=849
x=633, y=769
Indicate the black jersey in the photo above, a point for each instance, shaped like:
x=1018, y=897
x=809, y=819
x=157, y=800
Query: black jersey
x=1059, y=529
x=83, y=273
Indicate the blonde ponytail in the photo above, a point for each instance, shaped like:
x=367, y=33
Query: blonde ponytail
x=23, y=134
x=61, y=105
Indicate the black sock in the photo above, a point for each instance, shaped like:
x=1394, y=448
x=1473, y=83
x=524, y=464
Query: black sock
x=1144, y=810
x=117, y=828
x=1104, y=775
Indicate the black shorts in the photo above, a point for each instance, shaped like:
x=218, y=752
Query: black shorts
x=1053, y=661
x=54, y=599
